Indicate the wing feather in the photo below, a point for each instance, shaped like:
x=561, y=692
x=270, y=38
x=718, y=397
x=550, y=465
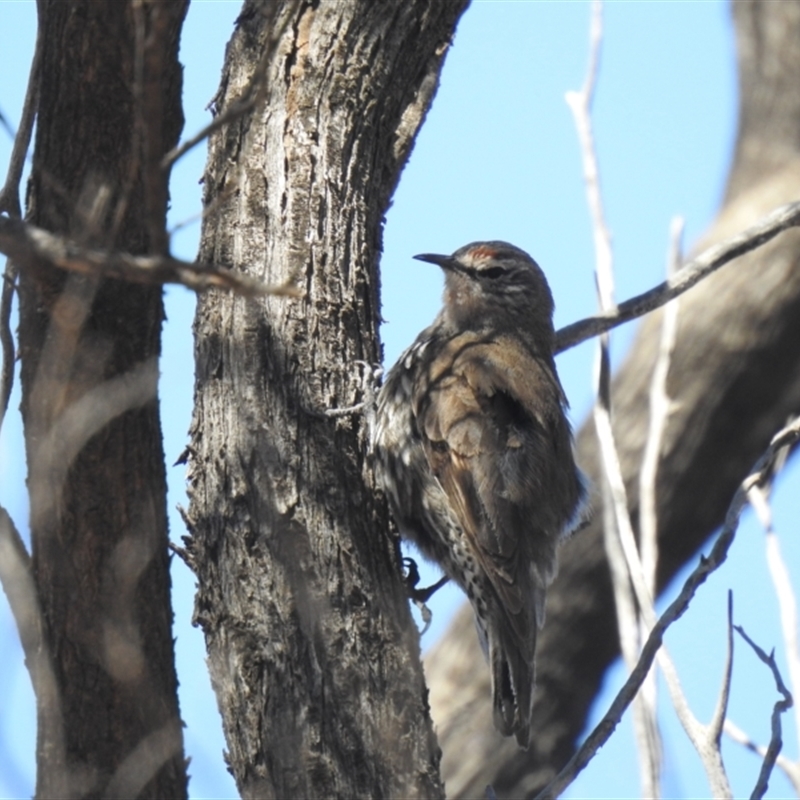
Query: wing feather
x=492, y=421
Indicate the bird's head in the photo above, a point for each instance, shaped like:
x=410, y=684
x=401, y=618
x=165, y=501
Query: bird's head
x=494, y=284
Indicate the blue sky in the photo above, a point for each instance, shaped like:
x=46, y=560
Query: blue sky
x=496, y=159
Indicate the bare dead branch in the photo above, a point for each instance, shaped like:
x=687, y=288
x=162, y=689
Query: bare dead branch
x=18, y=584
x=719, y=551
x=580, y=104
x=660, y=408
x=717, y=722
x=776, y=740
x=704, y=738
x=29, y=245
x=236, y=109
x=10, y=204
x=710, y=260
x=617, y=526
x=15, y=566
x=790, y=768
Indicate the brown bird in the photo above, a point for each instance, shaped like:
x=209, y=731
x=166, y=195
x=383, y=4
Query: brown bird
x=474, y=453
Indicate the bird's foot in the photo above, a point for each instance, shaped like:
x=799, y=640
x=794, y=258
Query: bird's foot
x=421, y=596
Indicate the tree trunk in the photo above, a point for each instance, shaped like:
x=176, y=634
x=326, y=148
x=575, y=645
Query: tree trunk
x=735, y=377
x=108, y=719
x=312, y=651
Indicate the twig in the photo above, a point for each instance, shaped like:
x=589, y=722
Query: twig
x=787, y=603
x=704, y=738
x=710, y=260
x=28, y=245
x=600, y=735
x=776, y=741
x=790, y=768
x=580, y=104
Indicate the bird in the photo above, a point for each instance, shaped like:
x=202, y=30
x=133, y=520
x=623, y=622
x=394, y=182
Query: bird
x=474, y=454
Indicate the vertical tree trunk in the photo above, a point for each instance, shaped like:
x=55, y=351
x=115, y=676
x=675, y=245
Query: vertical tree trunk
x=108, y=724
x=312, y=651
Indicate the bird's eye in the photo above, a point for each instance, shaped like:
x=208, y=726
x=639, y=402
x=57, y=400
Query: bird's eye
x=492, y=272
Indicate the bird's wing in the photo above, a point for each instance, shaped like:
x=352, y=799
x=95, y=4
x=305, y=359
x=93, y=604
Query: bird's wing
x=492, y=422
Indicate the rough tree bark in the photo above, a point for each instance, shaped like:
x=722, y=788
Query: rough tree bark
x=312, y=651
x=735, y=375
x=108, y=723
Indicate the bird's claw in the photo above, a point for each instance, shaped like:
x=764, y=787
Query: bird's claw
x=421, y=596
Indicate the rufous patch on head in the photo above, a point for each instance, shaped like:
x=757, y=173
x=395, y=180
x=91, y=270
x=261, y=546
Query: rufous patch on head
x=481, y=253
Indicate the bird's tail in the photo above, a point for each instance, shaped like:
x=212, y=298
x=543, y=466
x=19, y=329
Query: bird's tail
x=512, y=680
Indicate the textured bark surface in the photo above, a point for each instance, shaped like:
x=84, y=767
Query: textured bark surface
x=108, y=725
x=735, y=375
x=312, y=651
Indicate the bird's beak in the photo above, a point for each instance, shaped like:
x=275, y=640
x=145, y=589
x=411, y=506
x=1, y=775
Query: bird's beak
x=445, y=262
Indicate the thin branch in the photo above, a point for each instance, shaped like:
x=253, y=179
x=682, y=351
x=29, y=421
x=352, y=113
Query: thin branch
x=660, y=408
x=224, y=194
x=717, y=721
x=580, y=104
x=9, y=195
x=790, y=768
x=776, y=741
x=710, y=260
x=600, y=735
x=16, y=577
x=617, y=526
x=787, y=602
x=29, y=245
x=704, y=738
x=234, y=110
x=10, y=204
